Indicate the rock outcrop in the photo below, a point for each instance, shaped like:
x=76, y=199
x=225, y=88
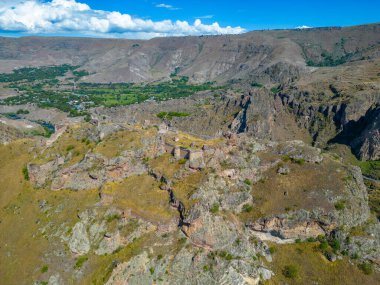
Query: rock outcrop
x=90, y=173
x=79, y=242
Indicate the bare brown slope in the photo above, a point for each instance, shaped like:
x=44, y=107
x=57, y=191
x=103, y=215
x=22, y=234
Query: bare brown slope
x=269, y=56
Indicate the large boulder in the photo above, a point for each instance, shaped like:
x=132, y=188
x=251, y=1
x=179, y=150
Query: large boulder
x=196, y=159
x=287, y=229
x=79, y=242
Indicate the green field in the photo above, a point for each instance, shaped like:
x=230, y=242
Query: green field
x=42, y=87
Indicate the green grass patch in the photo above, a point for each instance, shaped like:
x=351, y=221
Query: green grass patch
x=290, y=271
x=329, y=60
x=275, y=90
x=44, y=269
x=22, y=112
x=170, y=115
x=113, y=217
x=31, y=74
x=214, y=208
x=25, y=173
x=246, y=208
x=272, y=250
x=287, y=158
x=370, y=168
x=340, y=205
x=80, y=261
x=366, y=267
x=256, y=85
x=39, y=86
x=299, y=161
x=70, y=147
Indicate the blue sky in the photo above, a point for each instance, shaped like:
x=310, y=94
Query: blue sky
x=269, y=14
x=147, y=18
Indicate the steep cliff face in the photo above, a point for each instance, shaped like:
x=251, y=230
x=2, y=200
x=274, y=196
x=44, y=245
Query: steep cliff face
x=365, y=135
x=338, y=105
x=339, y=123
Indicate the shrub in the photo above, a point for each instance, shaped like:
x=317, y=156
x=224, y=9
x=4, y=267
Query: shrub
x=290, y=271
x=299, y=161
x=44, y=268
x=272, y=250
x=80, y=261
x=286, y=158
x=229, y=256
x=335, y=244
x=146, y=159
x=151, y=270
x=323, y=245
x=347, y=178
x=275, y=90
x=321, y=238
x=225, y=255
x=69, y=147
x=113, y=217
x=340, y=205
x=366, y=267
x=355, y=255
x=25, y=173
x=214, y=208
x=256, y=84
x=247, y=208
x=22, y=112
x=247, y=181
x=87, y=118
x=80, y=73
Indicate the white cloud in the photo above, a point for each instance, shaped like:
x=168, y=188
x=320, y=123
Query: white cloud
x=167, y=6
x=72, y=17
x=303, y=27
x=205, y=17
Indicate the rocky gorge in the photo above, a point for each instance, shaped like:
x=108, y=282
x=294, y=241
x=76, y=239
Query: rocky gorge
x=261, y=178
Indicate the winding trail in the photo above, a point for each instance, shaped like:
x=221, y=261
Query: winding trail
x=371, y=179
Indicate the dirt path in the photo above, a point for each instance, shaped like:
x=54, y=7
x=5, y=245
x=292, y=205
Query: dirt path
x=55, y=136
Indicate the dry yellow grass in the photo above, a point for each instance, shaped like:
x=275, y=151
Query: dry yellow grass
x=184, y=188
x=65, y=144
x=24, y=245
x=304, y=187
x=13, y=158
x=118, y=142
x=165, y=164
x=185, y=140
x=314, y=268
x=143, y=197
